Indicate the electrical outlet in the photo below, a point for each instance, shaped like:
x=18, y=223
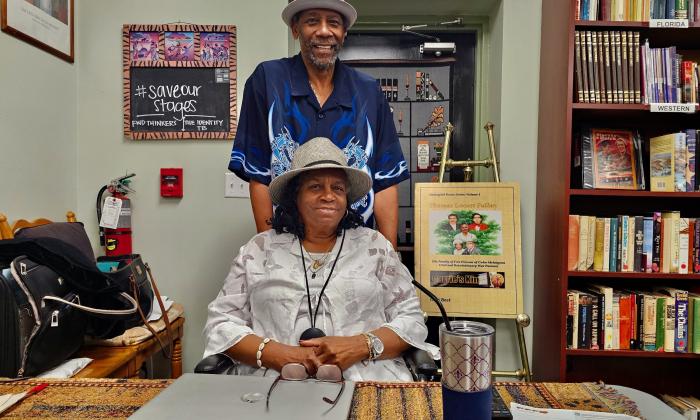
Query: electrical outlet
x=235, y=187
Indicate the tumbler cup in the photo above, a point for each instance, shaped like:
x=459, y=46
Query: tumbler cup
x=466, y=370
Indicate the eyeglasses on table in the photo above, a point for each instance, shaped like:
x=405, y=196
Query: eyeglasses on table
x=297, y=372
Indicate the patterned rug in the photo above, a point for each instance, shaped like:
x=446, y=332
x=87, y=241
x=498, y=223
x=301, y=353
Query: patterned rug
x=119, y=398
x=376, y=400
x=82, y=398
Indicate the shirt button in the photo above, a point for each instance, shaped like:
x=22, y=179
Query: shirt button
x=321, y=115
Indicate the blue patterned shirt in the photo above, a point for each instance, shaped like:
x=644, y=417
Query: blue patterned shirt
x=280, y=112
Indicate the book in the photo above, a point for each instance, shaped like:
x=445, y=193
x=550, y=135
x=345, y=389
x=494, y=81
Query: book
x=590, y=251
x=613, y=244
x=680, y=162
x=616, y=321
x=691, y=142
x=649, y=323
x=573, y=255
x=625, y=324
x=583, y=243
x=614, y=159
x=656, y=243
x=631, y=228
x=638, y=242
x=570, y=320
x=598, y=246
x=577, y=69
x=694, y=324
x=676, y=319
x=661, y=162
x=606, y=244
x=660, y=322
x=683, y=244
x=647, y=244
x=605, y=303
x=624, y=243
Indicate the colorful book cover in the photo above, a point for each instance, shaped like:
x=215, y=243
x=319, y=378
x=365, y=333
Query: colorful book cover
x=661, y=162
x=696, y=247
x=614, y=159
x=616, y=321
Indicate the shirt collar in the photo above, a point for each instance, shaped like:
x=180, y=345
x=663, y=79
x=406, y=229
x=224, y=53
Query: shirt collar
x=341, y=91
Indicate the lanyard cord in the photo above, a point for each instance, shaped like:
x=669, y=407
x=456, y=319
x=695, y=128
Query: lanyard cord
x=306, y=278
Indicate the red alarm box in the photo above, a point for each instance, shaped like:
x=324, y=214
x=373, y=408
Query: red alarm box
x=171, y=182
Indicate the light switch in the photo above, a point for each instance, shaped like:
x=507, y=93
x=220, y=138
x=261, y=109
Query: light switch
x=235, y=187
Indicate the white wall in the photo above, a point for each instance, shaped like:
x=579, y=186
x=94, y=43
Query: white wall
x=37, y=132
x=516, y=97
x=188, y=242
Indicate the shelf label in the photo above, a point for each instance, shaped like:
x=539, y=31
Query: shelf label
x=673, y=108
x=668, y=23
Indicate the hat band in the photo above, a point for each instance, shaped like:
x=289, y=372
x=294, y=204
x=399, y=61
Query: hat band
x=321, y=162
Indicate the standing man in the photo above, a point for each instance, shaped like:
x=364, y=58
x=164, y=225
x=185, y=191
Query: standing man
x=289, y=101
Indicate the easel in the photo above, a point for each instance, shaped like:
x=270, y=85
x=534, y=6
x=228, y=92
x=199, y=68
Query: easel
x=521, y=320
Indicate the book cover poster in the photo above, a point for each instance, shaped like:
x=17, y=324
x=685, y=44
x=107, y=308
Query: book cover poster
x=468, y=248
x=614, y=163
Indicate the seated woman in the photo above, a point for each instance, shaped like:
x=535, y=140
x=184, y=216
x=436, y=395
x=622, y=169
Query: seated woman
x=321, y=287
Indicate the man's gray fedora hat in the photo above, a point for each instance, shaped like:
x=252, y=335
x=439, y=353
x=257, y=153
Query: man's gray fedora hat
x=340, y=6
x=321, y=153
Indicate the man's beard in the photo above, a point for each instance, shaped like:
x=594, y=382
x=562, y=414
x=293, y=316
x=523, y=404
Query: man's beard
x=322, y=63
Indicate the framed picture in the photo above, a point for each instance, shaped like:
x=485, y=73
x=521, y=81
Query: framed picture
x=468, y=248
x=47, y=24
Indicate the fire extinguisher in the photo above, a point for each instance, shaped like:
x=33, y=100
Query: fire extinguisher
x=117, y=241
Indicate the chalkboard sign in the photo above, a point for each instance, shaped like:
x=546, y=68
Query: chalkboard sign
x=179, y=99
x=179, y=81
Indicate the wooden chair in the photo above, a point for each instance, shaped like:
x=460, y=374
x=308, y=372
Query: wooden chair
x=8, y=232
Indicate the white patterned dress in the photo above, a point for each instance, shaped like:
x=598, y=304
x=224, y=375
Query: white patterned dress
x=265, y=294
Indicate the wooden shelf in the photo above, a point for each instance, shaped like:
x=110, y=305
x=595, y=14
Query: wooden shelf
x=634, y=275
x=611, y=107
x=630, y=353
x=626, y=24
x=633, y=193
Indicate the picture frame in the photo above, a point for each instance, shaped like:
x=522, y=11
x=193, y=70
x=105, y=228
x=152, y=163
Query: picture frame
x=46, y=24
x=468, y=248
x=179, y=81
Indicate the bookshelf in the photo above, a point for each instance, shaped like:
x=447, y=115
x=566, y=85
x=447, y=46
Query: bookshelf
x=558, y=196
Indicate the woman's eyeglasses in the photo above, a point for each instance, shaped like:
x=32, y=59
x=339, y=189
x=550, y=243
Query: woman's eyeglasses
x=297, y=372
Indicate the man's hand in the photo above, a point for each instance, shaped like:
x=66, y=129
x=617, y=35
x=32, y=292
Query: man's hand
x=341, y=351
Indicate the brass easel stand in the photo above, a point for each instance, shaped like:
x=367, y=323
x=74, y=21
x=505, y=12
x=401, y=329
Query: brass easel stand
x=521, y=320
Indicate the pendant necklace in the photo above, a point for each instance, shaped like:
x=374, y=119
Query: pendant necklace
x=318, y=263
x=314, y=332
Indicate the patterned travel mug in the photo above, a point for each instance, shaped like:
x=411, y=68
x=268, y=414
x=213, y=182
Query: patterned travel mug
x=466, y=370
